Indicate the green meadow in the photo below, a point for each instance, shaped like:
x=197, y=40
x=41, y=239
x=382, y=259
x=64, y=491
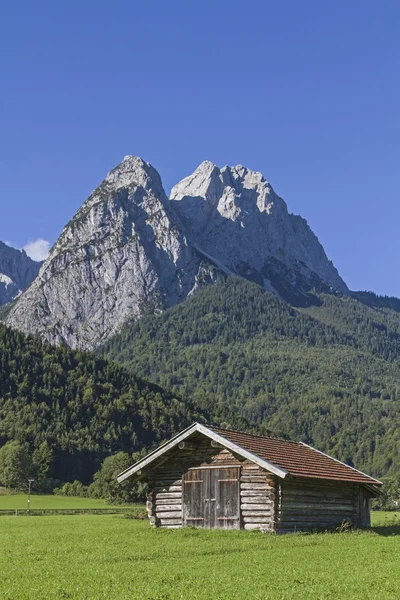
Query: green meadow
x=106, y=557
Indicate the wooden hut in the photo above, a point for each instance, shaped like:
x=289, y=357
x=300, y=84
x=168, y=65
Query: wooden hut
x=216, y=478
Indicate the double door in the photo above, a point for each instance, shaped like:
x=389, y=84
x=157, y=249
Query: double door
x=211, y=498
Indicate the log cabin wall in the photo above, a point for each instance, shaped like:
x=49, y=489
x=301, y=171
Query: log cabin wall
x=258, y=498
x=165, y=499
x=267, y=503
x=363, y=515
x=308, y=504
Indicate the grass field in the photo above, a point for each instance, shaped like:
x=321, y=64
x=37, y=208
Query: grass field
x=17, y=501
x=386, y=519
x=109, y=557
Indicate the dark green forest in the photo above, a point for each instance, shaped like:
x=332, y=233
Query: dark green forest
x=82, y=407
x=328, y=375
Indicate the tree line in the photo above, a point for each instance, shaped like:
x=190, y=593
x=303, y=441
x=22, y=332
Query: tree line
x=18, y=465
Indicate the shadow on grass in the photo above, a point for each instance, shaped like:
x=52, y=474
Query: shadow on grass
x=386, y=530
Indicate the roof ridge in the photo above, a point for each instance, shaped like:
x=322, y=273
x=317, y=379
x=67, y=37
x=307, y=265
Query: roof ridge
x=257, y=435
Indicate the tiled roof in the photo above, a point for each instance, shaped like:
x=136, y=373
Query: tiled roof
x=297, y=458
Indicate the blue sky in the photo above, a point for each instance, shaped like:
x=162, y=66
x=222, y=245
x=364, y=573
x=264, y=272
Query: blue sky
x=306, y=92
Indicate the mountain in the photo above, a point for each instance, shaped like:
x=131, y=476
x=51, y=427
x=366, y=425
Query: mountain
x=122, y=253
x=17, y=271
x=83, y=407
x=328, y=375
x=130, y=250
x=234, y=215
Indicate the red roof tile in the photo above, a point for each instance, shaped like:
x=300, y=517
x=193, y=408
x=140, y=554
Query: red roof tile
x=297, y=458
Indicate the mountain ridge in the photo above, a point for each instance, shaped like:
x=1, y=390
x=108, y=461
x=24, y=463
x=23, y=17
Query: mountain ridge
x=121, y=253
x=129, y=249
x=234, y=214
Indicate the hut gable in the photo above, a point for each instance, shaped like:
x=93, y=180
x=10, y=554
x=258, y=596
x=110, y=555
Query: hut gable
x=217, y=478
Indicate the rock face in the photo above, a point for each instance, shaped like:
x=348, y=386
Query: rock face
x=130, y=249
x=17, y=271
x=235, y=216
x=120, y=255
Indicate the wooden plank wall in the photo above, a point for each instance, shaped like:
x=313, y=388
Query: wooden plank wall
x=363, y=516
x=164, y=502
x=309, y=504
x=257, y=487
x=257, y=498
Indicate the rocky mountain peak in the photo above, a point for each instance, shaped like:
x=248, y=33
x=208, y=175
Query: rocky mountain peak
x=229, y=190
x=123, y=253
x=204, y=183
x=247, y=226
x=251, y=188
x=134, y=170
x=129, y=249
x=17, y=271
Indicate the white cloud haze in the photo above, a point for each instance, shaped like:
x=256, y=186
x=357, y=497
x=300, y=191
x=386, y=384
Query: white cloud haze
x=37, y=249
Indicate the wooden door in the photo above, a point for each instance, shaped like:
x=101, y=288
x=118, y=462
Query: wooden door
x=225, y=484
x=195, y=484
x=211, y=498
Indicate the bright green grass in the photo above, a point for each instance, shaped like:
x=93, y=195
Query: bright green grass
x=385, y=518
x=109, y=557
x=11, y=502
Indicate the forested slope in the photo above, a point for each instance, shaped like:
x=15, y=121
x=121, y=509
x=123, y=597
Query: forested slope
x=84, y=407
x=330, y=378
x=375, y=329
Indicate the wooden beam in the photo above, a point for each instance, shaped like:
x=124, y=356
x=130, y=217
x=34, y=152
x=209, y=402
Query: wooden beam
x=185, y=445
x=215, y=444
x=196, y=427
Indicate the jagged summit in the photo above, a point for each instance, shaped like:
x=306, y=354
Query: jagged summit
x=203, y=183
x=234, y=215
x=129, y=249
x=121, y=254
x=17, y=271
x=134, y=169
